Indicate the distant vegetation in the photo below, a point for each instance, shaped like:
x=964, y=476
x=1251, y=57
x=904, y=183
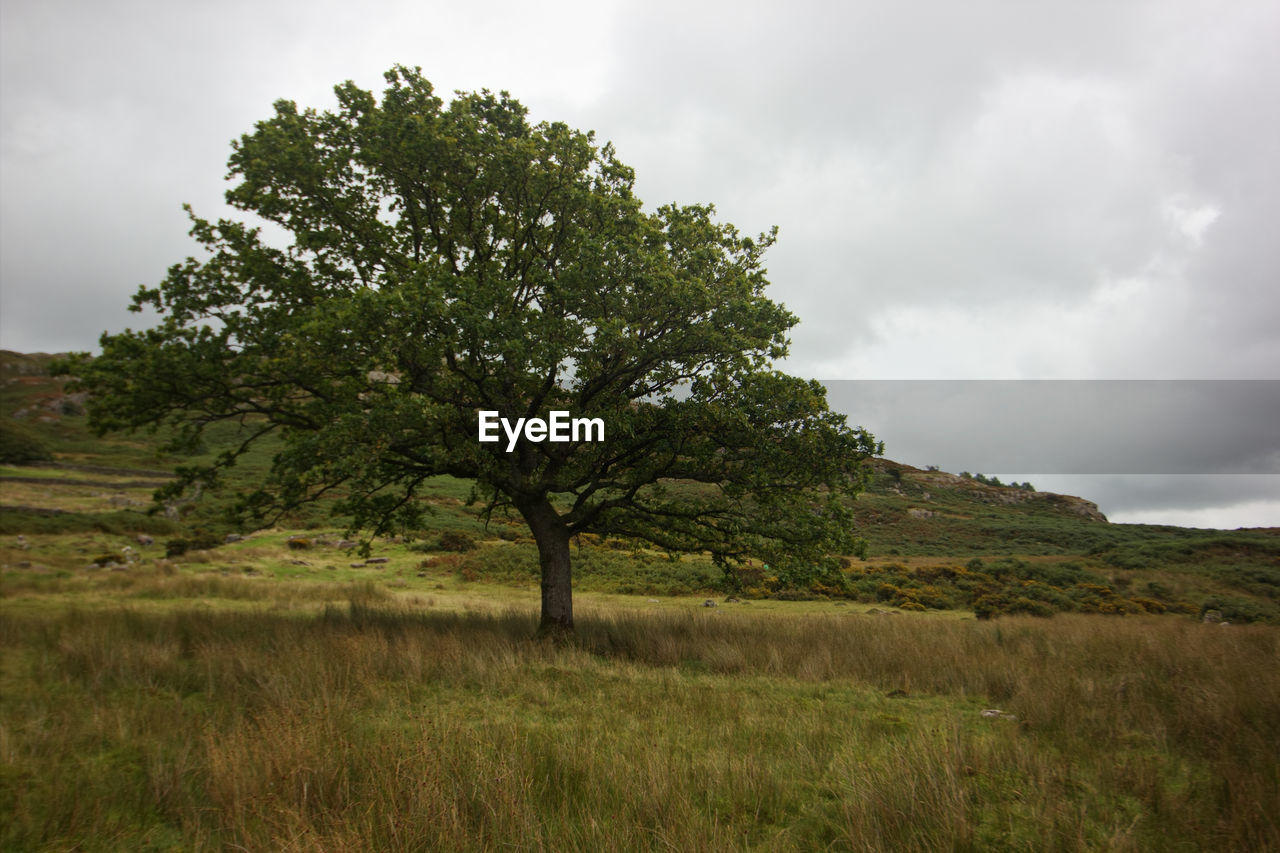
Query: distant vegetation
x=995, y=481
x=19, y=445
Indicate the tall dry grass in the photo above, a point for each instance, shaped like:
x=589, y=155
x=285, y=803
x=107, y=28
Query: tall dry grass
x=376, y=727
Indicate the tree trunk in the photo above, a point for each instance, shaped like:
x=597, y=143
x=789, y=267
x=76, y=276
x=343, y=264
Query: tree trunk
x=553, y=558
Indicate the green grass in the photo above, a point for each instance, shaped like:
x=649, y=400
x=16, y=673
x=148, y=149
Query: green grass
x=203, y=713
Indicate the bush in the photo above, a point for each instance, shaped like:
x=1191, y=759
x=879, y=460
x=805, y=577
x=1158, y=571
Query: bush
x=200, y=540
x=988, y=607
x=505, y=563
x=1243, y=610
x=457, y=541
x=19, y=445
x=991, y=606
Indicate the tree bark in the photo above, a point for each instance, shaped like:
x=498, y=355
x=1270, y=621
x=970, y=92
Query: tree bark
x=552, y=537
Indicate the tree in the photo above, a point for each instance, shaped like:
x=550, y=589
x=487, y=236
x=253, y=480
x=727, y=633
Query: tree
x=444, y=260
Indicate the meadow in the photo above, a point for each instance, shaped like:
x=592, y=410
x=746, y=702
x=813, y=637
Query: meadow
x=163, y=709
x=1000, y=672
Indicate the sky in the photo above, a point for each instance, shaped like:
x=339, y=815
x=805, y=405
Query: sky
x=1053, y=193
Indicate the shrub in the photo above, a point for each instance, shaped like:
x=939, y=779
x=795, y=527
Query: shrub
x=1150, y=605
x=1243, y=610
x=457, y=541
x=19, y=445
x=199, y=540
x=990, y=606
x=888, y=592
x=1031, y=607
x=499, y=563
x=987, y=607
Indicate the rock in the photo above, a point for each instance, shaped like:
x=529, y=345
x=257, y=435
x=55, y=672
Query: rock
x=232, y=537
x=653, y=601
x=997, y=714
x=347, y=544
x=376, y=560
x=916, y=512
x=708, y=603
x=733, y=599
x=357, y=565
x=144, y=540
x=1212, y=617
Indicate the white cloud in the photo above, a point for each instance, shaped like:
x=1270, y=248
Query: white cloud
x=1189, y=218
x=1260, y=513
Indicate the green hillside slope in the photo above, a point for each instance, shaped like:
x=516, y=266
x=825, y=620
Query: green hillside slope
x=937, y=540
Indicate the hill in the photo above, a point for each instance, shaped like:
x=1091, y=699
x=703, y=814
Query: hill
x=936, y=540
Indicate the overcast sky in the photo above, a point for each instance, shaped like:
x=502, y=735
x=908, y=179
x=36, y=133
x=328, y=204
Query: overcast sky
x=979, y=191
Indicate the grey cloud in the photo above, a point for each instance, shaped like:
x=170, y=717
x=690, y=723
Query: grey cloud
x=972, y=190
x=970, y=155
x=1128, y=427
x=1200, y=501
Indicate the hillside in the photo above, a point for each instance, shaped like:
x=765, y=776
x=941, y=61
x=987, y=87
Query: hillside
x=936, y=540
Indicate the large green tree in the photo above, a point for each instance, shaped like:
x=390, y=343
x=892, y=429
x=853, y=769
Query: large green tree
x=426, y=261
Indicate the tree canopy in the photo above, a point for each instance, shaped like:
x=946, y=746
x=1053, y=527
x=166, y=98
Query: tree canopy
x=444, y=259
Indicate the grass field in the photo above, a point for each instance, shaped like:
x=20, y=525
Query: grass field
x=163, y=688
x=192, y=710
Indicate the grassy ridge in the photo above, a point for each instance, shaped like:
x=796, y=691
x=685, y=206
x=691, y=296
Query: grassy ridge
x=376, y=724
